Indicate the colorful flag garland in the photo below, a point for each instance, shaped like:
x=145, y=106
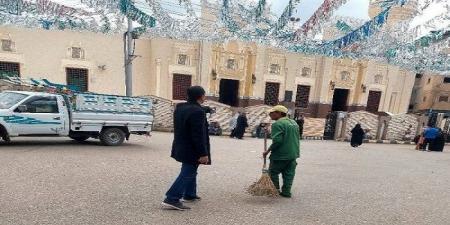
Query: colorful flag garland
x=323, y=13
x=129, y=9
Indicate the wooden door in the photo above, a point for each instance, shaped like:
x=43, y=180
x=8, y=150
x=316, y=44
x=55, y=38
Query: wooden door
x=271, y=94
x=180, y=85
x=373, y=102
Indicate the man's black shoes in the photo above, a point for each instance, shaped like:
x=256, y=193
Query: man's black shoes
x=191, y=199
x=174, y=205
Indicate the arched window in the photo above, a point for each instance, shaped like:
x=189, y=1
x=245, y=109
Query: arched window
x=274, y=69
x=306, y=72
x=183, y=59
x=378, y=79
x=231, y=64
x=77, y=53
x=345, y=75
x=7, y=45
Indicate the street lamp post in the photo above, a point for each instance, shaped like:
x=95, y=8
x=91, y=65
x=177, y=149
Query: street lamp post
x=128, y=57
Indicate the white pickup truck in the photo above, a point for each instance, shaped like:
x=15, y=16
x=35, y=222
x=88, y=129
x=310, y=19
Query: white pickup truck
x=79, y=116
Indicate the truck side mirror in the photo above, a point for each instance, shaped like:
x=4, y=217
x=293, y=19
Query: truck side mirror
x=22, y=108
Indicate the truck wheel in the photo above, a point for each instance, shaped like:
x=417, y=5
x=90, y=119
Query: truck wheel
x=112, y=136
x=6, y=139
x=80, y=138
x=4, y=135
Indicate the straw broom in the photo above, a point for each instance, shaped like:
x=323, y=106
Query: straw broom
x=264, y=186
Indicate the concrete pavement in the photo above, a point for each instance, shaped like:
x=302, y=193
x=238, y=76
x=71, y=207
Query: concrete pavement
x=57, y=181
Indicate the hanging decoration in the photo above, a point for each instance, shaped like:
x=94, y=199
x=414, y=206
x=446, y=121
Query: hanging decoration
x=186, y=28
x=406, y=45
x=252, y=13
x=104, y=4
x=343, y=26
x=362, y=32
x=227, y=19
x=260, y=9
x=17, y=7
x=432, y=17
x=50, y=15
x=433, y=37
x=286, y=16
x=388, y=3
x=189, y=8
x=313, y=25
x=128, y=8
x=428, y=52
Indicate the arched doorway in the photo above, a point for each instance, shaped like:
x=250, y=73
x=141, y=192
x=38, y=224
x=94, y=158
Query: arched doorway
x=271, y=93
x=340, y=99
x=229, y=92
x=373, y=101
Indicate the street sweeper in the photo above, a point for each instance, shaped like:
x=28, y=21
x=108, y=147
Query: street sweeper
x=284, y=151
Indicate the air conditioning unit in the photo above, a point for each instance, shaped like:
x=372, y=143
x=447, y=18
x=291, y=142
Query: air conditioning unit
x=77, y=53
x=7, y=45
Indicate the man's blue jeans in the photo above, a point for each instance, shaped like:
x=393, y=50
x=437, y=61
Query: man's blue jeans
x=185, y=185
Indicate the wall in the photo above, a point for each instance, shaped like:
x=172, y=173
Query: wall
x=43, y=53
x=46, y=54
x=428, y=89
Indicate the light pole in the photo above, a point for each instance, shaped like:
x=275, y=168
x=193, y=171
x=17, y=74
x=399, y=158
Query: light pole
x=128, y=57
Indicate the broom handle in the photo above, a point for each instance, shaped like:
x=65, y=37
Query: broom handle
x=265, y=148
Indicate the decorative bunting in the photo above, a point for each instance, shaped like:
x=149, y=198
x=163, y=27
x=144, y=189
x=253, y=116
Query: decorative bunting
x=260, y=8
x=362, y=32
x=49, y=15
x=245, y=22
x=227, y=19
x=323, y=13
x=128, y=8
x=342, y=26
x=286, y=15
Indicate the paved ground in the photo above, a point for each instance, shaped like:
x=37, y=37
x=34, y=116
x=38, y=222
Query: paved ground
x=60, y=182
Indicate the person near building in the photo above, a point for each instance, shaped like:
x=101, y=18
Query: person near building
x=284, y=151
x=233, y=123
x=439, y=142
x=300, y=120
x=430, y=134
x=357, y=136
x=241, y=125
x=190, y=147
x=420, y=140
x=261, y=130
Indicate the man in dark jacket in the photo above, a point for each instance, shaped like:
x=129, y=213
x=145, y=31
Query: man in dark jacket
x=190, y=147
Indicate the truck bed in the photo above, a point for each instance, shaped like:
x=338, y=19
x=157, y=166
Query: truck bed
x=90, y=121
x=91, y=112
x=111, y=104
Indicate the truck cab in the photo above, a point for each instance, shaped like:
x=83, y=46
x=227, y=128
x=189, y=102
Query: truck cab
x=33, y=114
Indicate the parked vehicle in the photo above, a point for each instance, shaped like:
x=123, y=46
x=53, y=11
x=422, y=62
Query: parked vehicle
x=80, y=116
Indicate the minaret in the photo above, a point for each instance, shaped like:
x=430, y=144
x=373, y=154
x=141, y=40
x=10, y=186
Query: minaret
x=209, y=16
x=397, y=13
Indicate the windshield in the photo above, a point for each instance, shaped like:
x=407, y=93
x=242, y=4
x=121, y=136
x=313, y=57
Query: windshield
x=9, y=99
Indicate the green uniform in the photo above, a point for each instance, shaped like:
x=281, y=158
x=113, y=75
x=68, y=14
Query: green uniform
x=285, y=149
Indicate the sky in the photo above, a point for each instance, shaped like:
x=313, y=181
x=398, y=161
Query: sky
x=353, y=8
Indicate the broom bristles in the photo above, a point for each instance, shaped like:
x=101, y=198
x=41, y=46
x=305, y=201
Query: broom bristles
x=263, y=187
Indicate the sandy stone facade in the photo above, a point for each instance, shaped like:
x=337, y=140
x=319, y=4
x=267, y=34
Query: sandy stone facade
x=431, y=92
x=234, y=73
